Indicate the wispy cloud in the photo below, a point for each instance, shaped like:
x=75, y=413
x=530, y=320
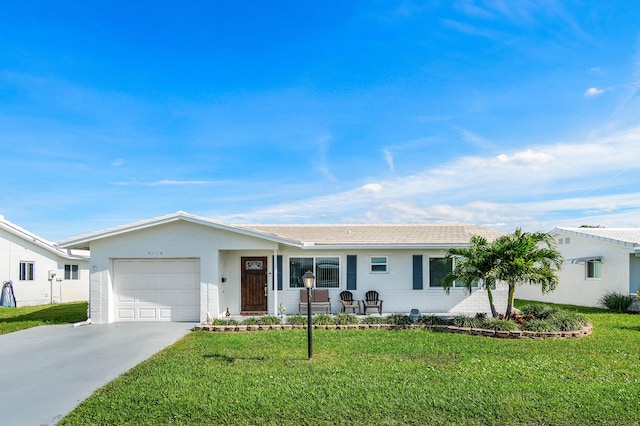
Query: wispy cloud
x=117, y=162
x=593, y=91
x=388, y=157
x=518, y=188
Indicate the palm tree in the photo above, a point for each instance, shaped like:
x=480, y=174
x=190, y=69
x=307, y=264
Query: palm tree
x=473, y=265
x=526, y=257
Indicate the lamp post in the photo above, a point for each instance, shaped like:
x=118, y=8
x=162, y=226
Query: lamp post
x=308, y=279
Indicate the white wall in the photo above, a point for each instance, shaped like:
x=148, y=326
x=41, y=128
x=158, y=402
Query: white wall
x=40, y=290
x=395, y=287
x=574, y=288
x=173, y=240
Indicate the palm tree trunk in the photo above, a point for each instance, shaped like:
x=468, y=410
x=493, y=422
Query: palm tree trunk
x=512, y=293
x=494, y=313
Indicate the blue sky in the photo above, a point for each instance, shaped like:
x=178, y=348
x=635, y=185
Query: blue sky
x=500, y=113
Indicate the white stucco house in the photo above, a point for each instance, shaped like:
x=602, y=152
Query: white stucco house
x=180, y=267
x=596, y=261
x=41, y=272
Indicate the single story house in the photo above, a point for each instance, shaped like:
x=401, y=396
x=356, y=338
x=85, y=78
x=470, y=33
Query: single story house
x=182, y=267
x=596, y=261
x=41, y=272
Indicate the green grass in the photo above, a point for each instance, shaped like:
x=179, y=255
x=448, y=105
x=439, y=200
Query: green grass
x=381, y=377
x=14, y=319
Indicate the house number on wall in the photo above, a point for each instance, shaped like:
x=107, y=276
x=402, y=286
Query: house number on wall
x=155, y=253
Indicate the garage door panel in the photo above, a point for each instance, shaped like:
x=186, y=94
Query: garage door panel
x=157, y=289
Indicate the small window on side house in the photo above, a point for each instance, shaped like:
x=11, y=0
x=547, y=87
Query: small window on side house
x=594, y=269
x=26, y=271
x=379, y=264
x=70, y=272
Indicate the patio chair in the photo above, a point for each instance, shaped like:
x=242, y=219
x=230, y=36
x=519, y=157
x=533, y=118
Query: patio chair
x=320, y=301
x=347, y=302
x=372, y=300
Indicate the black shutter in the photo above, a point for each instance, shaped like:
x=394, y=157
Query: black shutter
x=417, y=272
x=352, y=271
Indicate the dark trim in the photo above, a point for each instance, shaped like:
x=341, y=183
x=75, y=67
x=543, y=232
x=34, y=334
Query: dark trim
x=417, y=272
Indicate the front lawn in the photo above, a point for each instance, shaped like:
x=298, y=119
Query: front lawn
x=381, y=377
x=14, y=319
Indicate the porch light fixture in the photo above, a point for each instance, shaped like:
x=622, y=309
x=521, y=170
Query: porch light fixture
x=308, y=279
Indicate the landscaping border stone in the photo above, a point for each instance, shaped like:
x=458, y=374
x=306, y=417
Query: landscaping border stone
x=514, y=334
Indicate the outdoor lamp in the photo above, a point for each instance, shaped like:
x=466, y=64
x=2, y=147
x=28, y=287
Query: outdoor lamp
x=308, y=279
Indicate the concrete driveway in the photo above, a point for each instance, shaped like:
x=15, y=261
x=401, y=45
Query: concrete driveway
x=45, y=372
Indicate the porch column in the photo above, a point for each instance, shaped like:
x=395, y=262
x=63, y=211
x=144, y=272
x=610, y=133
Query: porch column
x=274, y=282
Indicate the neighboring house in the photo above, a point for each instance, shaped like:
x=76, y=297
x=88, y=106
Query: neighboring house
x=41, y=272
x=596, y=261
x=180, y=267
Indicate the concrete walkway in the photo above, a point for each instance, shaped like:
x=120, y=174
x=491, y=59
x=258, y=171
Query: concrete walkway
x=45, y=372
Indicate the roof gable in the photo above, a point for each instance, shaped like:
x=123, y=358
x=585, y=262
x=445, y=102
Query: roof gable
x=622, y=236
x=31, y=238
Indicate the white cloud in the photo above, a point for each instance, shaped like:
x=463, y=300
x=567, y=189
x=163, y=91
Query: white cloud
x=117, y=162
x=372, y=188
x=519, y=188
x=593, y=91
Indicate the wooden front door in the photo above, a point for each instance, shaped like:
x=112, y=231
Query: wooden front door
x=254, y=284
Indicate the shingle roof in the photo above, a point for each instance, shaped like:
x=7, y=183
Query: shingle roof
x=380, y=234
x=622, y=235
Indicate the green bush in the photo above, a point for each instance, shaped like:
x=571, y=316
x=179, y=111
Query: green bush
x=499, y=324
x=539, y=311
x=374, y=320
x=297, y=319
x=323, y=319
x=346, y=319
x=268, y=320
x=250, y=321
x=224, y=322
x=399, y=319
x=539, y=326
x=431, y=320
x=617, y=302
x=463, y=321
x=567, y=321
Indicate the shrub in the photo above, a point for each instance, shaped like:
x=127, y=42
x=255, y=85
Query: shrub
x=499, y=324
x=539, y=326
x=373, y=320
x=567, y=321
x=346, y=319
x=323, y=319
x=249, y=321
x=268, y=320
x=297, y=319
x=224, y=322
x=399, y=319
x=431, y=320
x=463, y=321
x=538, y=311
x=615, y=301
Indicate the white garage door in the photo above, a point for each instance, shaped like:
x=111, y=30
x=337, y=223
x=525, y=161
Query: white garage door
x=157, y=289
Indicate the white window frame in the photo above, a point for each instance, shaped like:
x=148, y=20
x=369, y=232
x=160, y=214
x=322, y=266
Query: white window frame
x=27, y=270
x=315, y=270
x=597, y=269
x=71, y=272
x=375, y=265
